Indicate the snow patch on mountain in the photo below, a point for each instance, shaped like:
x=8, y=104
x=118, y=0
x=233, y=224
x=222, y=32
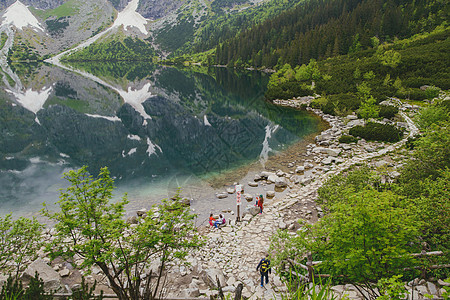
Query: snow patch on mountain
x=20, y=16
x=32, y=100
x=130, y=18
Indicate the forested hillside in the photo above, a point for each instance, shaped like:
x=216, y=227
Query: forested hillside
x=319, y=29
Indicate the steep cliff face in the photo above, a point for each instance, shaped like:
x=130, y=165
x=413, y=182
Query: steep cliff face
x=39, y=4
x=156, y=9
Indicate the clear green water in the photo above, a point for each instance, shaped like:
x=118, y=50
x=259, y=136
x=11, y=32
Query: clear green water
x=156, y=128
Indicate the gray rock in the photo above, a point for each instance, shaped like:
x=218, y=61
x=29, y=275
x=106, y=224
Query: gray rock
x=323, y=137
x=308, y=165
x=270, y=194
x=370, y=149
x=329, y=151
x=282, y=225
x=230, y=190
x=209, y=277
x=380, y=163
x=306, y=180
x=272, y=178
x=443, y=283
x=355, y=123
x=281, y=183
x=352, y=117
x=257, y=177
x=345, y=147
x=247, y=218
x=229, y=289
x=222, y=195
x=280, y=173
x=3, y=279
x=253, y=184
x=64, y=272
x=51, y=278
x=266, y=174
x=402, y=124
x=191, y=292
x=141, y=212
x=432, y=288
x=296, y=179
x=132, y=220
x=327, y=161
x=299, y=169
x=252, y=210
x=248, y=197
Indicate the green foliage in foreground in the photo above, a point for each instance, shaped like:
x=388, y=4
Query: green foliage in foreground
x=14, y=290
x=365, y=236
x=20, y=241
x=90, y=226
x=369, y=228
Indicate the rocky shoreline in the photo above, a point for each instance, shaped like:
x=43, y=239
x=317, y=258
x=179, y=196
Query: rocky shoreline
x=232, y=252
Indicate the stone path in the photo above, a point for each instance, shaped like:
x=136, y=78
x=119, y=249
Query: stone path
x=234, y=251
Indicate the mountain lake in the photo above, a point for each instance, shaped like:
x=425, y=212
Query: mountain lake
x=156, y=128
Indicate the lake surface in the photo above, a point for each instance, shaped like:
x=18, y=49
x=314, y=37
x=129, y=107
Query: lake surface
x=156, y=128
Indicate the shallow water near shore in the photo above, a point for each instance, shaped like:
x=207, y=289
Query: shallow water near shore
x=156, y=128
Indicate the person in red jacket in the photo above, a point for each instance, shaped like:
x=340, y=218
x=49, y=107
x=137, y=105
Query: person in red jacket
x=261, y=203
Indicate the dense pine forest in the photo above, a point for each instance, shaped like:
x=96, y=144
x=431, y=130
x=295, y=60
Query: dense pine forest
x=319, y=29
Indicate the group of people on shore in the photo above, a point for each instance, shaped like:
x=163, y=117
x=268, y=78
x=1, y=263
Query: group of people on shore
x=216, y=222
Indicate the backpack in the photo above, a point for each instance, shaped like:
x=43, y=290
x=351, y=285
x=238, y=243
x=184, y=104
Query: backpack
x=265, y=265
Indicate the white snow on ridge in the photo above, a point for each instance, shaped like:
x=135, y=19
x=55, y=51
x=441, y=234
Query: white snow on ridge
x=133, y=137
x=20, y=16
x=32, y=100
x=205, y=120
x=136, y=97
x=112, y=119
x=152, y=147
x=130, y=18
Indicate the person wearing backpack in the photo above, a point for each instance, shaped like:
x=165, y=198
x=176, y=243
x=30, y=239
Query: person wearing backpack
x=264, y=269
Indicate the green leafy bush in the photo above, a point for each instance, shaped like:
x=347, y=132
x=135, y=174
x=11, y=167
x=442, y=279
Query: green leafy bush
x=13, y=289
x=347, y=139
x=377, y=132
x=387, y=111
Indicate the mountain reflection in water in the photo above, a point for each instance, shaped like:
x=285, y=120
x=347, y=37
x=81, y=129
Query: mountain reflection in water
x=156, y=128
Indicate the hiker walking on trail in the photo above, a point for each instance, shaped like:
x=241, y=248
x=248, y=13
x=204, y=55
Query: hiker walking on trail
x=264, y=269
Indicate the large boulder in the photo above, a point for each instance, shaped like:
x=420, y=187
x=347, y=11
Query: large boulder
x=209, y=276
x=323, y=137
x=51, y=278
x=273, y=178
x=270, y=194
x=281, y=182
x=299, y=169
x=329, y=151
x=222, y=195
x=266, y=174
x=354, y=123
x=248, y=197
x=251, y=210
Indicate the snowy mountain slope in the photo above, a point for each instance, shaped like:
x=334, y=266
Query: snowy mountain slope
x=19, y=15
x=64, y=24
